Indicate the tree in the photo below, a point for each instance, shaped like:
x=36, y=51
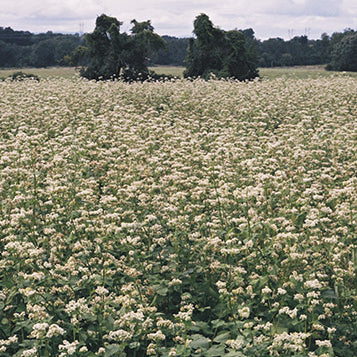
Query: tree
x=174, y=54
x=111, y=54
x=222, y=53
x=344, y=53
x=44, y=54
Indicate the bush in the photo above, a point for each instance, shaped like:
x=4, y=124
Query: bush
x=344, y=54
x=20, y=76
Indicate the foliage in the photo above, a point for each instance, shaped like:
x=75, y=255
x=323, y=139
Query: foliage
x=344, y=54
x=174, y=53
x=298, y=51
x=20, y=76
x=218, y=52
x=111, y=54
x=24, y=49
x=208, y=218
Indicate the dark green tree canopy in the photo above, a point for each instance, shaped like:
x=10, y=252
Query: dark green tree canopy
x=222, y=53
x=344, y=53
x=111, y=54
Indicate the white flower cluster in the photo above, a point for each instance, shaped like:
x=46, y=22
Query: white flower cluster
x=117, y=197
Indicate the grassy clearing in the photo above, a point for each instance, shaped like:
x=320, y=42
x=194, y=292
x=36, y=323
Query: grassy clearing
x=63, y=72
x=304, y=72
x=178, y=219
x=169, y=70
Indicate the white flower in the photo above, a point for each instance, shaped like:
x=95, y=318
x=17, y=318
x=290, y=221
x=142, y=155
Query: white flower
x=244, y=312
x=313, y=284
x=70, y=348
x=331, y=330
x=101, y=290
x=235, y=344
x=38, y=330
x=298, y=297
x=325, y=343
x=55, y=330
x=120, y=335
x=175, y=282
x=172, y=352
x=281, y=291
x=83, y=349
x=266, y=290
x=29, y=353
x=157, y=336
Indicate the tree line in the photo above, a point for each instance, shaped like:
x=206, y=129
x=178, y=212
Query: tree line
x=338, y=51
x=25, y=49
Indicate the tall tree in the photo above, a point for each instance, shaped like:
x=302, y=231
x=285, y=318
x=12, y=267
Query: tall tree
x=222, y=53
x=111, y=54
x=344, y=53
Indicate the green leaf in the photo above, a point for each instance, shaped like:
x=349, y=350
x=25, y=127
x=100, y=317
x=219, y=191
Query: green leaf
x=329, y=294
x=222, y=337
x=282, y=329
x=199, y=341
x=201, y=326
x=216, y=351
x=218, y=323
x=114, y=350
x=162, y=291
x=235, y=354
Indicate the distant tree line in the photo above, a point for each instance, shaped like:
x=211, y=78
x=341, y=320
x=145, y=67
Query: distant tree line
x=25, y=49
x=299, y=51
x=338, y=51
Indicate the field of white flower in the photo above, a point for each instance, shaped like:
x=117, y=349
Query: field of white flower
x=178, y=219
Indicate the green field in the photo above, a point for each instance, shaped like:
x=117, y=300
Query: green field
x=266, y=73
x=300, y=72
x=63, y=72
x=179, y=218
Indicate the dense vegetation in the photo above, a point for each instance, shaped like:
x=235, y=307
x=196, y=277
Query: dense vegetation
x=224, y=54
x=174, y=53
x=186, y=218
x=344, y=53
x=108, y=53
x=23, y=49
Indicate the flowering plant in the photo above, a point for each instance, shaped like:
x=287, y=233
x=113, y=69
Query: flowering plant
x=179, y=218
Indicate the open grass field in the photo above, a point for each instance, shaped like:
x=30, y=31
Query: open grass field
x=299, y=72
x=63, y=72
x=303, y=72
x=182, y=218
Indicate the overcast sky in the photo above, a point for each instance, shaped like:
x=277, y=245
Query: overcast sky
x=268, y=18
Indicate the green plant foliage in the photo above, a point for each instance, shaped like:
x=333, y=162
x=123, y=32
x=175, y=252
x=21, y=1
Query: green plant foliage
x=20, y=76
x=109, y=54
x=219, y=53
x=178, y=218
x=344, y=54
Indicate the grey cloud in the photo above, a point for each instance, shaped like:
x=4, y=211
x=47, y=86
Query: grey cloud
x=324, y=8
x=269, y=18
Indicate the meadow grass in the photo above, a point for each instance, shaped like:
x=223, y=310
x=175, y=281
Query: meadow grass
x=181, y=218
x=299, y=72
x=176, y=71
x=63, y=72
